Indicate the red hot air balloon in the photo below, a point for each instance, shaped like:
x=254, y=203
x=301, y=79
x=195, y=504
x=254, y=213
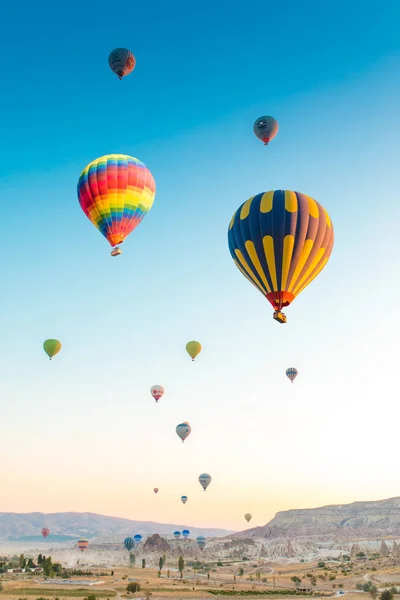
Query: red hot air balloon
x=45, y=532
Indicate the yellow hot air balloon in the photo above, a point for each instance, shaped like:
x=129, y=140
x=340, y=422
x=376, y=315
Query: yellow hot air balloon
x=248, y=516
x=193, y=348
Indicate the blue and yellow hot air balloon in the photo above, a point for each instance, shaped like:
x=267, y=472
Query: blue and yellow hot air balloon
x=280, y=241
x=128, y=543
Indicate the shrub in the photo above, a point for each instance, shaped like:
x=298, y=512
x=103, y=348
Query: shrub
x=133, y=587
x=386, y=595
x=321, y=564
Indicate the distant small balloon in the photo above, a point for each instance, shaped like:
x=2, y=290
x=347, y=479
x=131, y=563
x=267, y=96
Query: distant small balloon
x=292, y=373
x=266, y=128
x=128, y=543
x=52, y=347
x=248, y=517
x=156, y=490
x=157, y=391
x=177, y=535
x=186, y=533
x=122, y=62
x=45, y=532
x=82, y=544
x=205, y=480
x=193, y=348
x=137, y=538
x=183, y=430
x=184, y=499
x=201, y=542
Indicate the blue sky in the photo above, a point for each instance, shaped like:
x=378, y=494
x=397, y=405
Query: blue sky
x=329, y=72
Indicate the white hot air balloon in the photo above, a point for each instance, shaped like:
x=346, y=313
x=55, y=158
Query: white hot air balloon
x=157, y=391
x=205, y=480
x=183, y=430
x=266, y=128
x=121, y=61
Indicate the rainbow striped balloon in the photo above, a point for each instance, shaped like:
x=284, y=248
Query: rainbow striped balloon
x=115, y=193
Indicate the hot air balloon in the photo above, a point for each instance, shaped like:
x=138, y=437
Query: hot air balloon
x=128, y=543
x=115, y=193
x=280, y=241
x=45, y=532
x=82, y=544
x=183, y=430
x=52, y=347
x=184, y=499
x=292, y=373
x=177, y=535
x=205, y=480
x=248, y=516
x=137, y=538
x=156, y=490
x=186, y=533
x=121, y=61
x=157, y=391
x=193, y=348
x=201, y=542
x=266, y=129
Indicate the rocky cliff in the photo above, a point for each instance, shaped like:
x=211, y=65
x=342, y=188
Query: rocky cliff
x=358, y=520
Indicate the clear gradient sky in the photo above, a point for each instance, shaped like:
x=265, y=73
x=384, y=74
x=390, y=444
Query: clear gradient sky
x=82, y=433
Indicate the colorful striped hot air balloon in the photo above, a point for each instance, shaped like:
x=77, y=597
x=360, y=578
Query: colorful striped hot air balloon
x=193, y=348
x=186, y=533
x=52, y=347
x=183, y=430
x=266, y=128
x=115, y=193
x=121, y=61
x=184, y=499
x=280, y=241
x=157, y=391
x=205, y=480
x=82, y=544
x=292, y=373
x=45, y=532
x=128, y=543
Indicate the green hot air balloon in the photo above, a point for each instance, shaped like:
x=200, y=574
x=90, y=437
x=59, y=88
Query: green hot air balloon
x=52, y=347
x=193, y=348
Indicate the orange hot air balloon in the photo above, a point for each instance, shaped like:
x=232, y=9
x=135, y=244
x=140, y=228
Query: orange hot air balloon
x=82, y=544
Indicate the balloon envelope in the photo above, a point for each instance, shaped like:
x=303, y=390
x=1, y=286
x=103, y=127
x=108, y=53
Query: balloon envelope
x=248, y=516
x=280, y=241
x=201, y=541
x=137, y=538
x=156, y=490
x=121, y=61
x=52, y=347
x=128, y=543
x=186, y=533
x=193, y=348
x=82, y=544
x=292, y=373
x=177, y=535
x=183, y=430
x=266, y=128
x=116, y=192
x=184, y=499
x=157, y=391
x=45, y=532
x=205, y=480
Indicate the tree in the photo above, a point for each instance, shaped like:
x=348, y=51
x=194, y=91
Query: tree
x=22, y=561
x=321, y=564
x=144, y=563
x=360, y=555
x=132, y=558
x=296, y=580
x=31, y=564
x=39, y=560
x=373, y=590
x=241, y=572
x=161, y=563
x=181, y=565
x=164, y=559
x=133, y=587
x=386, y=595
x=91, y=597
